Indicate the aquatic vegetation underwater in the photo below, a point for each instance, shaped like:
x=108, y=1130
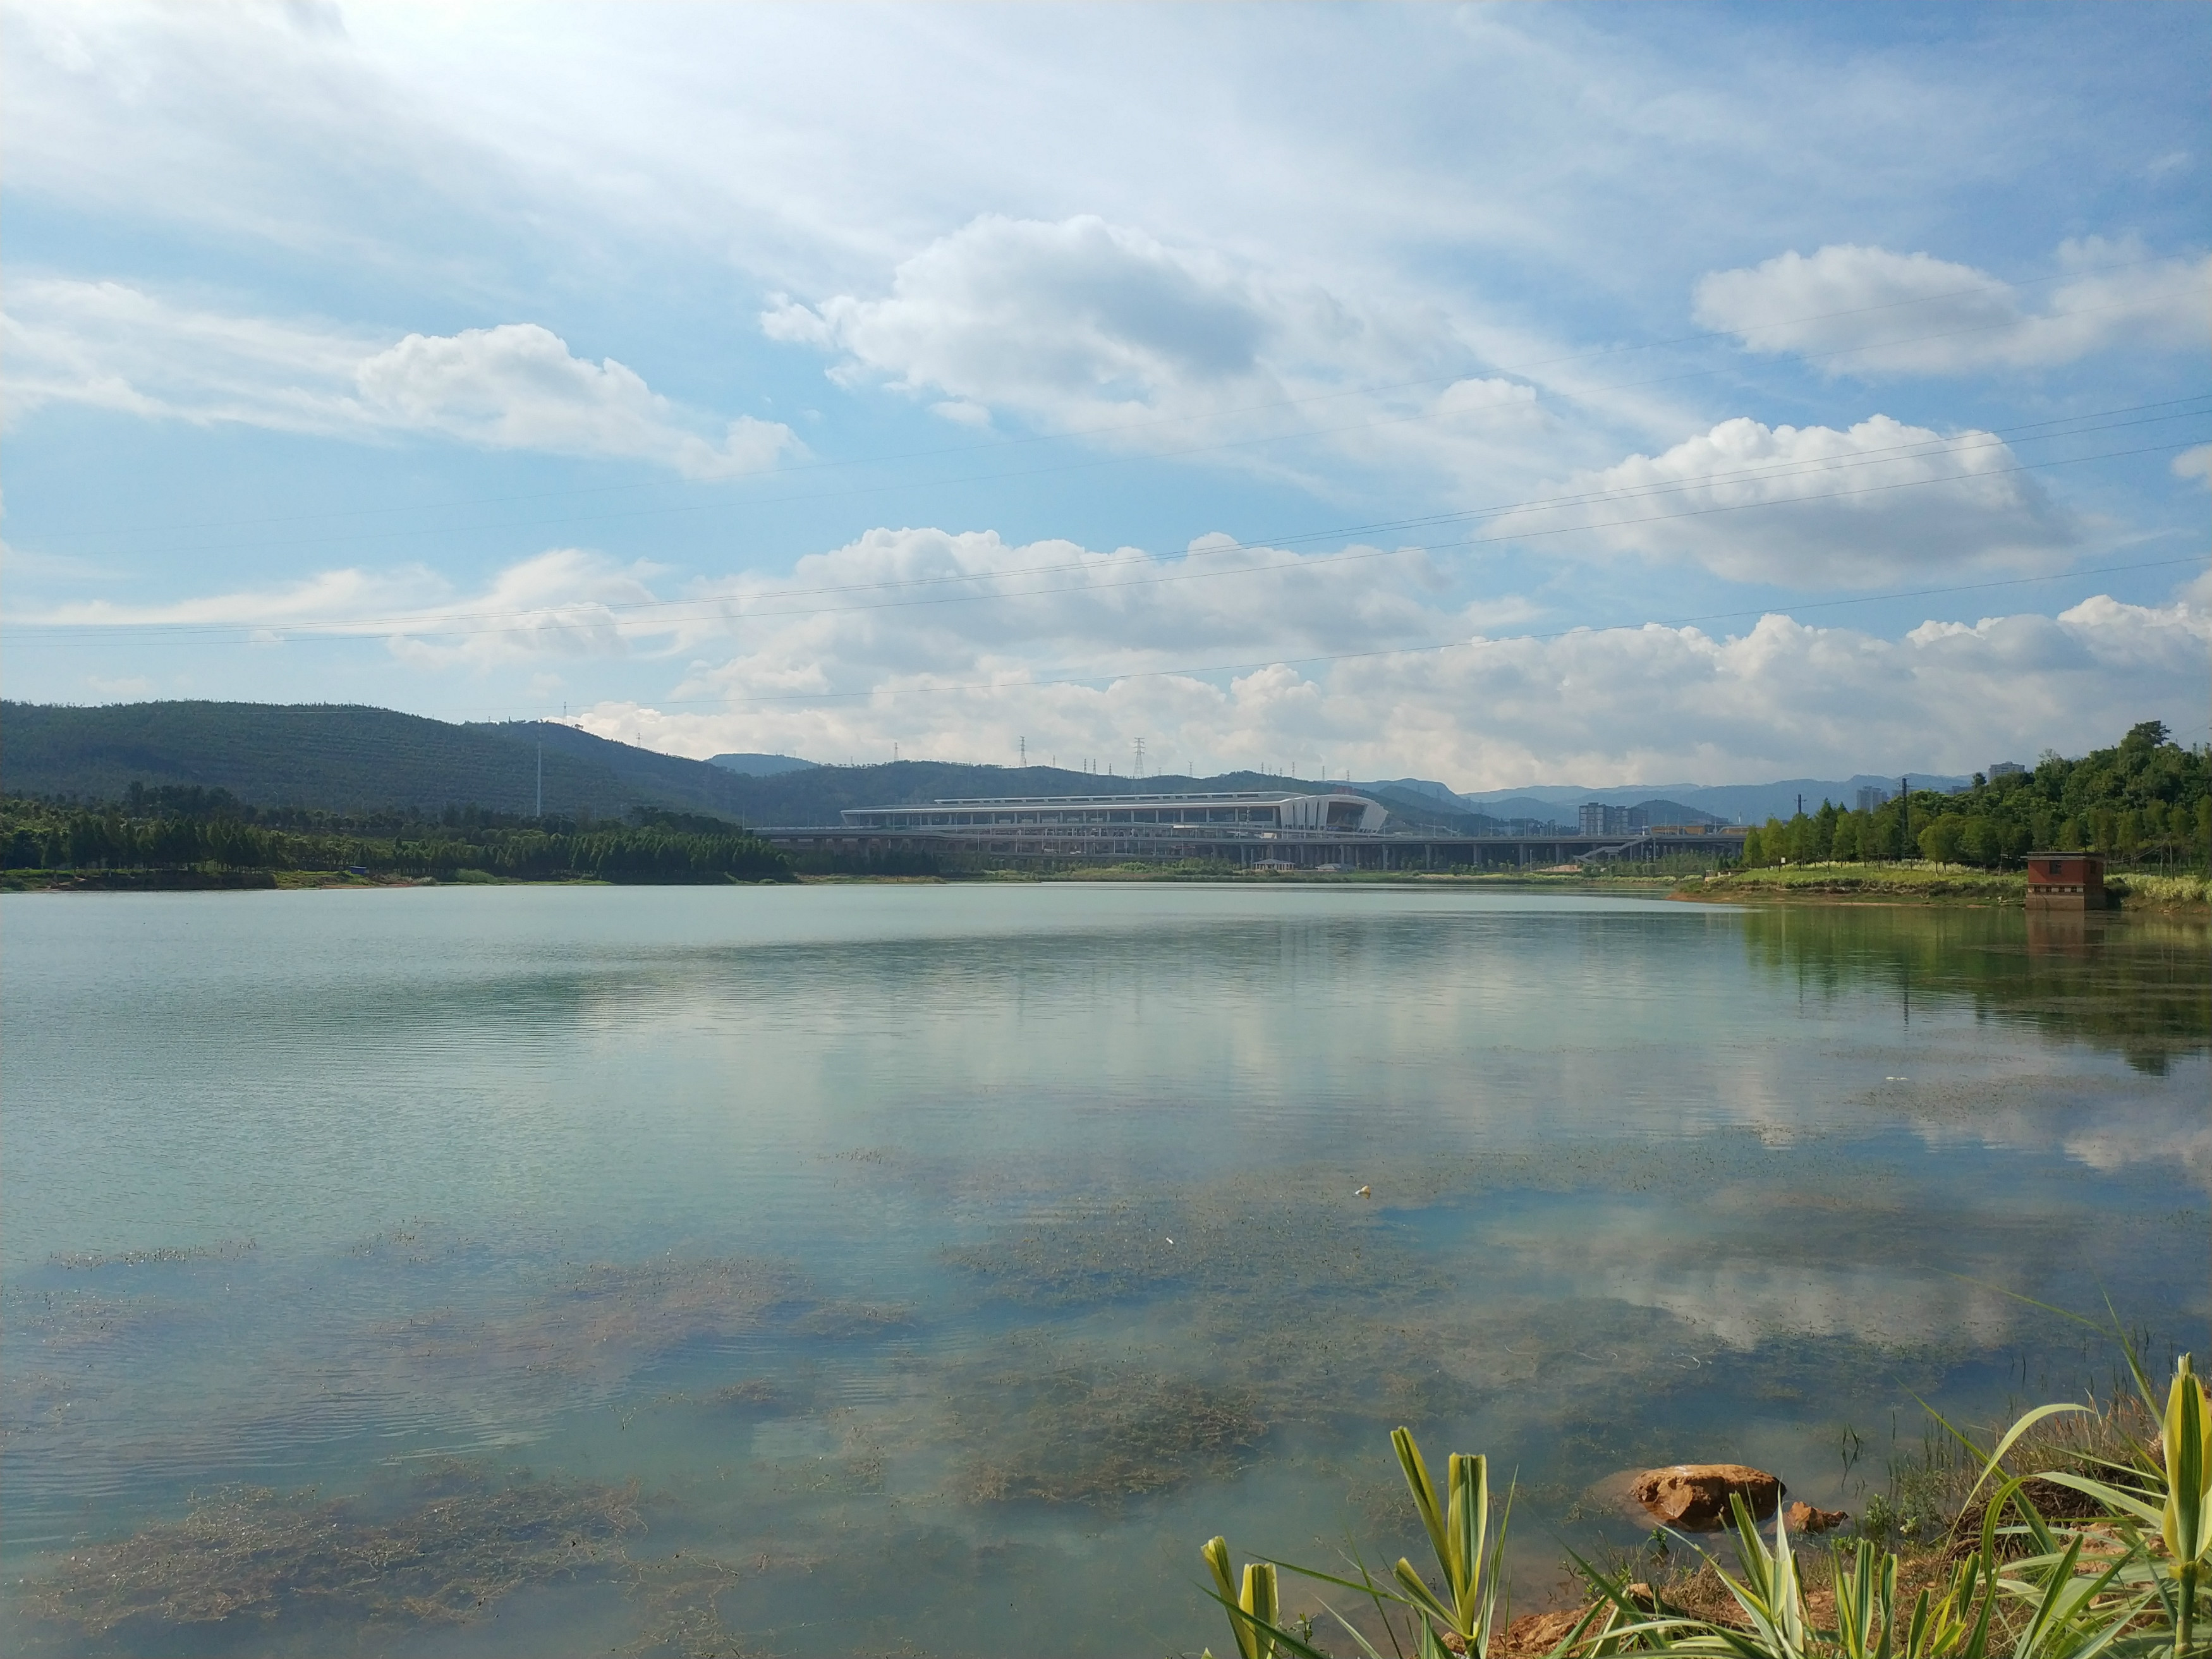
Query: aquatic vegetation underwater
x=333, y=1574
x=603, y=1316
x=459, y=1542
x=778, y=1267
x=766, y=1428
x=1098, y=1434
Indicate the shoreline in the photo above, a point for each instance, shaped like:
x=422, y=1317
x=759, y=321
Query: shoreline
x=1903, y=887
x=1936, y=886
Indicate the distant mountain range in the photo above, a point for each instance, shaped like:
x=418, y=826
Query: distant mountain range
x=1727, y=803
x=342, y=758
x=345, y=758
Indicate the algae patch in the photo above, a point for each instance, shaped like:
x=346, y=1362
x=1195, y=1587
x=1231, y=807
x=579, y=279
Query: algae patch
x=606, y=1317
x=461, y=1542
x=1100, y=1433
x=297, y=1568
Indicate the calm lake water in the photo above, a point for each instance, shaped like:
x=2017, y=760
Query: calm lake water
x=932, y=1269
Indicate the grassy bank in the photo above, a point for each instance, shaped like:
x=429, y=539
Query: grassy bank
x=1914, y=882
x=1922, y=882
x=1196, y=869
x=2151, y=892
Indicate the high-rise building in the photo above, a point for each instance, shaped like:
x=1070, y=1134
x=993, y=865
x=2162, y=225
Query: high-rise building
x=1596, y=818
x=1871, y=798
x=2006, y=769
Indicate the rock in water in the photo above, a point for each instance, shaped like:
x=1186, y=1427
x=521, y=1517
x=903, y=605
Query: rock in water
x=1804, y=1517
x=1696, y=1494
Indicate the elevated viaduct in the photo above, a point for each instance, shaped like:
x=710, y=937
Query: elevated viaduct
x=1307, y=831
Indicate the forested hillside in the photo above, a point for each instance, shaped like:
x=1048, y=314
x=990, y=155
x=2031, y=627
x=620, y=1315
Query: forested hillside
x=332, y=758
x=338, y=769
x=354, y=761
x=175, y=828
x=2145, y=800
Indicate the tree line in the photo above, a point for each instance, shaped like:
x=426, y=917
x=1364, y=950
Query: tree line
x=207, y=831
x=2146, y=801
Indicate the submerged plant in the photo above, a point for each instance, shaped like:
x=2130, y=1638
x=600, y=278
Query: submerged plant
x=462, y=1541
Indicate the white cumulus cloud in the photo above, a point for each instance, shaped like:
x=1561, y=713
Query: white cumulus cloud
x=1052, y=318
x=1614, y=706
x=514, y=387
x=924, y=605
x=1870, y=312
x=1622, y=705
x=1083, y=325
x=1816, y=507
x=959, y=645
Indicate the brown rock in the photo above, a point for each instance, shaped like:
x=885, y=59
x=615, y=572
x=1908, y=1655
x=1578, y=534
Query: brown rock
x=1695, y=1496
x=1539, y=1632
x=1804, y=1517
x=1535, y=1635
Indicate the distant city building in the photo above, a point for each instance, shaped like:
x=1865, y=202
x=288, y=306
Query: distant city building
x=1257, y=830
x=2006, y=769
x=1272, y=810
x=1596, y=818
x=1871, y=798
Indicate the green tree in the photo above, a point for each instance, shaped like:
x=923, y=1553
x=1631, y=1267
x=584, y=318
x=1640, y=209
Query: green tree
x=1981, y=840
x=1940, y=841
x=1824, y=830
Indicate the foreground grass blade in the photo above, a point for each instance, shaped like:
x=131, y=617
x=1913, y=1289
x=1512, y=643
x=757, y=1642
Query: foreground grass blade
x=2135, y=1583
x=1424, y=1494
x=1253, y=1613
x=2185, y=1525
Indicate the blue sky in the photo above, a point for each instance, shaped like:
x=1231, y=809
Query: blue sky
x=1612, y=394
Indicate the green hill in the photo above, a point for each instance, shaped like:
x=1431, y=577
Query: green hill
x=332, y=756
x=342, y=758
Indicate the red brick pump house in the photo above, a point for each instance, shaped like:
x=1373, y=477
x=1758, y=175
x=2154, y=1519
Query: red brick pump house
x=2065, y=881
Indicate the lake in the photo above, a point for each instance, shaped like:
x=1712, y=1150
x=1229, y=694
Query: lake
x=932, y=1269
